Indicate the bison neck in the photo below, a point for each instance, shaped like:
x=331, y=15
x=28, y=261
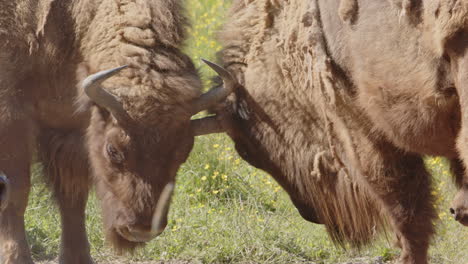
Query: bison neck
x=286, y=121
x=280, y=133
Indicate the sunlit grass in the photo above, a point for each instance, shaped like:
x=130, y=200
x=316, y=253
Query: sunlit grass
x=225, y=211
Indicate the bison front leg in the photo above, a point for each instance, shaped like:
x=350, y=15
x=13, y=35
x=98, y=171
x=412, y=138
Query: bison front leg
x=16, y=140
x=74, y=242
x=401, y=183
x=65, y=160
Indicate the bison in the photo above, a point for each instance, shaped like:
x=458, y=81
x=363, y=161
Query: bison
x=339, y=100
x=129, y=133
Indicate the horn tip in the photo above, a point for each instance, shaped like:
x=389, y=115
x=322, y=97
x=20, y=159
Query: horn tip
x=218, y=69
x=209, y=63
x=101, y=76
x=122, y=67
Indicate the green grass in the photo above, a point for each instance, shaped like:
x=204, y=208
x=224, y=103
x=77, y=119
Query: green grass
x=225, y=211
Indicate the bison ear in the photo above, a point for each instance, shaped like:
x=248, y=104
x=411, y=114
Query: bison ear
x=205, y=126
x=216, y=95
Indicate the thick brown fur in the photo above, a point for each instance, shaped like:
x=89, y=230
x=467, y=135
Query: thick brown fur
x=341, y=116
x=47, y=48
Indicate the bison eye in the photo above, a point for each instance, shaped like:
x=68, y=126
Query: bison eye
x=114, y=154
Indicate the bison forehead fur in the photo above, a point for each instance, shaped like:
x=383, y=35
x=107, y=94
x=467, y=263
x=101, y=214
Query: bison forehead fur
x=343, y=99
x=47, y=48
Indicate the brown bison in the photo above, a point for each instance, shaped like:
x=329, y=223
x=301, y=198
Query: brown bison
x=133, y=130
x=340, y=100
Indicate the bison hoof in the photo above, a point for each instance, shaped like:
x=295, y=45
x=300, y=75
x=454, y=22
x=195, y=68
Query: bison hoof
x=459, y=209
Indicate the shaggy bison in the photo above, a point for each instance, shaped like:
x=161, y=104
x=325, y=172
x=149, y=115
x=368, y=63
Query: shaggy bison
x=339, y=101
x=133, y=130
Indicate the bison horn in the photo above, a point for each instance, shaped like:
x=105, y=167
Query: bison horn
x=4, y=191
x=205, y=126
x=162, y=209
x=214, y=96
x=210, y=124
x=92, y=88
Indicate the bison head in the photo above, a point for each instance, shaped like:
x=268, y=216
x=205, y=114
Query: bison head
x=134, y=164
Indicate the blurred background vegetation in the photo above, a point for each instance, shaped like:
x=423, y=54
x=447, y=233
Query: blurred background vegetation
x=226, y=211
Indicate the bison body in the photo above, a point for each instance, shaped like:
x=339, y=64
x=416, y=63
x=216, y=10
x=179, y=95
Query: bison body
x=340, y=100
x=128, y=133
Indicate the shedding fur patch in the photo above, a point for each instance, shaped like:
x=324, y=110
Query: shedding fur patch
x=443, y=20
x=348, y=11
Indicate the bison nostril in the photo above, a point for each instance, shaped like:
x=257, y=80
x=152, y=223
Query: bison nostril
x=452, y=211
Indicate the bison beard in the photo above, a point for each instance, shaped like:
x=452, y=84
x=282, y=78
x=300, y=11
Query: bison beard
x=124, y=239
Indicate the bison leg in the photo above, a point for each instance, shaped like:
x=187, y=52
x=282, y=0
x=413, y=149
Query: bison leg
x=16, y=141
x=65, y=161
x=400, y=181
x=74, y=242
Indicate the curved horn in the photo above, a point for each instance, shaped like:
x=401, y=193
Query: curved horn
x=4, y=191
x=93, y=89
x=162, y=209
x=214, y=96
x=205, y=126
